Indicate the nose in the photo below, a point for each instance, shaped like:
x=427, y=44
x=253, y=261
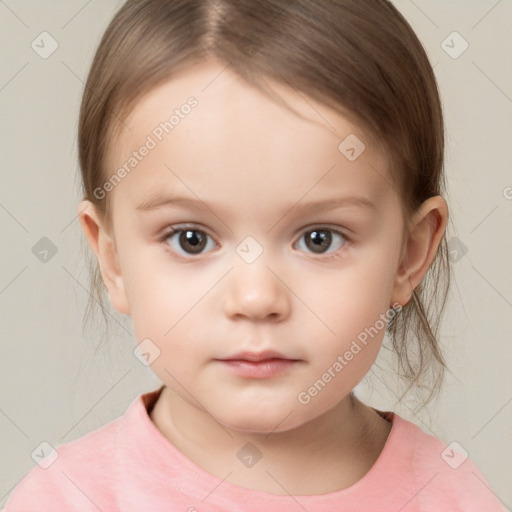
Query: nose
x=256, y=292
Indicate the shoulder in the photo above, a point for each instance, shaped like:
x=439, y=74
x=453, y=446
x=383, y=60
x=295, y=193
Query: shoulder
x=77, y=474
x=442, y=476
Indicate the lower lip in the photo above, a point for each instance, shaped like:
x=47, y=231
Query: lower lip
x=258, y=369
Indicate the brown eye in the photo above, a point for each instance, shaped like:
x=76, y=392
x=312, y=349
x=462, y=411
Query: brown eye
x=192, y=241
x=187, y=240
x=320, y=240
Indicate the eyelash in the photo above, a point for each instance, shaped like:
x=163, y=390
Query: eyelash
x=334, y=255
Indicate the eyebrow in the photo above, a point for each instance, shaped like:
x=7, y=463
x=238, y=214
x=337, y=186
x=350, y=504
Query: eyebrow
x=157, y=200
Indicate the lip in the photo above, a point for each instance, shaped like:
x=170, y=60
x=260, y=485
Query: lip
x=256, y=356
x=258, y=365
x=263, y=369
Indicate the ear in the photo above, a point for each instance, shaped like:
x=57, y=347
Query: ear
x=425, y=232
x=103, y=246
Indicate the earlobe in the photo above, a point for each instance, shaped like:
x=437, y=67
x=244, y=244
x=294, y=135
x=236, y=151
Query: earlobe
x=103, y=246
x=425, y=232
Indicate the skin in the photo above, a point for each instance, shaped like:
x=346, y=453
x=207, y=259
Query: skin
x=251, y=160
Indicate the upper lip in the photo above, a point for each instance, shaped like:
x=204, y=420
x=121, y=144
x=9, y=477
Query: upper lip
x=256, y=356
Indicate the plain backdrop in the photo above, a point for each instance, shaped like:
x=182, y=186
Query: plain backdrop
x=55, y=388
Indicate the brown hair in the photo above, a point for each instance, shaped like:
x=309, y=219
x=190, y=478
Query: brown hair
x=359, y=57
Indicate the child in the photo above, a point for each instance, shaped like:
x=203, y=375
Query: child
x=298, y=148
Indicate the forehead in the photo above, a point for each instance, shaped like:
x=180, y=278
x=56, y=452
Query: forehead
x=237, y=134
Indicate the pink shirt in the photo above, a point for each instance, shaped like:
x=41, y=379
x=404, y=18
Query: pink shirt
x=128, y=465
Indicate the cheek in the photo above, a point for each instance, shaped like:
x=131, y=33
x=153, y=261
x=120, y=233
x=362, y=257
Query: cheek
x=158, y=306
x=168, y=302
x=351, y=311
x=352, y=298
x=156, y=297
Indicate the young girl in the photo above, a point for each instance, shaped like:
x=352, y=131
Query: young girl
x=262, y=189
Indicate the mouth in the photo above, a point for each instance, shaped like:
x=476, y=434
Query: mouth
x=258, y=365
x=257, y=356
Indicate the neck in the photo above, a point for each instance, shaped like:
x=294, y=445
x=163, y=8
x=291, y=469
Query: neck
x=341, y=445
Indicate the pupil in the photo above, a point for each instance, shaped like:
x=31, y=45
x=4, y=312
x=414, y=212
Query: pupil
x=193, y=239
x=320, y=239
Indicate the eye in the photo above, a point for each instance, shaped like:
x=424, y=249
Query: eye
x=186, y=241
x=319, y=239
x=189, y=239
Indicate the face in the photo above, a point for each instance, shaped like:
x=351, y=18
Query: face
x=237, y=230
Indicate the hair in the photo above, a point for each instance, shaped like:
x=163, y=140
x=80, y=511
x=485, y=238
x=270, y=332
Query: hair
x=358, y=57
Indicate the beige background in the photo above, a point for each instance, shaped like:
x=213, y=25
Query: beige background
x=53, y=386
